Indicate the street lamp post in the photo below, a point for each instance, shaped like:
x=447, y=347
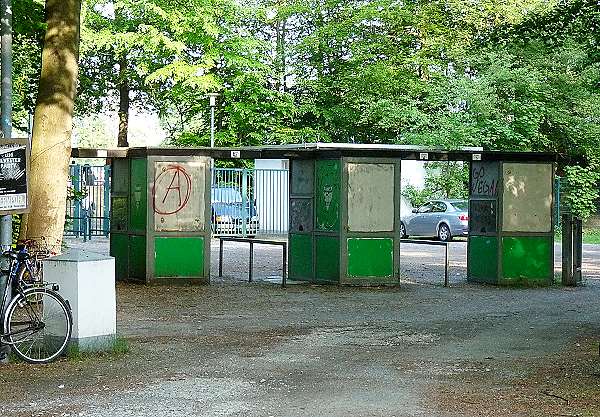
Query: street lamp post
x=6, y=101
x=212, y=97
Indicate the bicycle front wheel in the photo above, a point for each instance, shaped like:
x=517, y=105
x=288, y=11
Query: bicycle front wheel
x=38, y=325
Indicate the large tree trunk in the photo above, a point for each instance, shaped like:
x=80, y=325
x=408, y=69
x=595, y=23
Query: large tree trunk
x=52, y=125
x=123, y=104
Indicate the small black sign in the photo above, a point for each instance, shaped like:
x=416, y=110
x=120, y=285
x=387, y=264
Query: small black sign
x=13, y=177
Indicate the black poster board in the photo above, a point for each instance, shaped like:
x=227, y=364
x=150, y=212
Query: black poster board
x=14, y=176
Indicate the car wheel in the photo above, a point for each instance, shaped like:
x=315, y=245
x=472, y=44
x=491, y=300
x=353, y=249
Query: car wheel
x=444, y=233
x=403, y=234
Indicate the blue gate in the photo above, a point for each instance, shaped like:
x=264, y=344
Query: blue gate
x=88, y=204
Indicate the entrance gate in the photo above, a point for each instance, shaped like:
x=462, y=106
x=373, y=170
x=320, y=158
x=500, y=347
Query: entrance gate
x=344, y=212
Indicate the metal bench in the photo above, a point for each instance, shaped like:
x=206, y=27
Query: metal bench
x=252, y=242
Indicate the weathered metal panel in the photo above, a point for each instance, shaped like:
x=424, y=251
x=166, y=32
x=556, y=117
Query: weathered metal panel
x=118, y=214
x=370, y=257
x=327, y=194
x=179, y=256
x=483, y=259
x=301, y=257
x=178, y=195
x=527, y=197
x=138, y=195
x=120, y=176
x=483, y=216
x=301, y=214
x=327, y=253
x=302, y=177
x=371, y=197
x=484, y=179
x=527, y=258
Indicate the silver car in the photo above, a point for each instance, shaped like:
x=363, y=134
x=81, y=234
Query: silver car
x=443, y=219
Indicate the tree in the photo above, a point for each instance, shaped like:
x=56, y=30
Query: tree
x=123, y=43
x=28, y=35
x=51, y=143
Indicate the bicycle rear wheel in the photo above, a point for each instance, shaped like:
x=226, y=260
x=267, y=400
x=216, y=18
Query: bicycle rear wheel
x=38, y=325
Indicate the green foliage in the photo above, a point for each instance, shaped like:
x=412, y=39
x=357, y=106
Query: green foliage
x=416, y=196
x=519, y=76
x=28, y=34
x=584, y=191
x=447, y=179
x=442, y=180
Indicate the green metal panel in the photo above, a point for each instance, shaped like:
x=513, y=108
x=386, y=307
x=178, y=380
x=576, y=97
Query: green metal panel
x=483, y=259
x=137, y=257
x=301, y=257
x=179, y=256
x=119, y=244
x=138, y=195
x=327, y=255
x=527, y=258
x=370, y=257
x=327, y=194
x=118, y=214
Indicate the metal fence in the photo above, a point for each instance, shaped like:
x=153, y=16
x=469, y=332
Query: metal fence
x=88, y=205
x=244, y=202
x=248, y=202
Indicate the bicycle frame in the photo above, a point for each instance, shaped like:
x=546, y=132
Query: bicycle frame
x=19, y=291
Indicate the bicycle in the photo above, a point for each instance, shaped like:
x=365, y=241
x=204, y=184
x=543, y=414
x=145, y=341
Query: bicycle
x=37, y=321
x=30, y=270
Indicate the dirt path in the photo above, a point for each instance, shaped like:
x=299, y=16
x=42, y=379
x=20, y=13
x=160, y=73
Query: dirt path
x=258, y=350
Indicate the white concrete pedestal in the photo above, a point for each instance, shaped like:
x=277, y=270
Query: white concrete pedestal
x=87, y=281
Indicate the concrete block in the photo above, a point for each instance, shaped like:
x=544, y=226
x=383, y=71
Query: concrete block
x=87, y=281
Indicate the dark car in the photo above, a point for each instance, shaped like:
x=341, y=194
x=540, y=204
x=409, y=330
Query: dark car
x=229, y=213
x=443, y=219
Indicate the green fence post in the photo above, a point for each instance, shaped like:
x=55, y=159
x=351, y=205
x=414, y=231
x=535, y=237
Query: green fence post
x=106, y=205
x=557, y=187
x=77, y=202
x=244, y=201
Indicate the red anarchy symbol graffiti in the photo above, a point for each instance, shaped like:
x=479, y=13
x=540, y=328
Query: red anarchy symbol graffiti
x=179, y=182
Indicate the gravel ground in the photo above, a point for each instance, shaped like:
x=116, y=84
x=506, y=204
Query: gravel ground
x=239, y=349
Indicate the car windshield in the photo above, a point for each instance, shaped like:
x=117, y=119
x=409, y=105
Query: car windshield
x=226, y=195
x=460, y=205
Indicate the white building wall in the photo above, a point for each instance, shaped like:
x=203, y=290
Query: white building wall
x=271, y=191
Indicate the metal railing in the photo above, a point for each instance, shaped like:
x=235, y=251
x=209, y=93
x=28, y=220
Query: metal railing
x=88, y=213
x=249, y=202
x=252, y=242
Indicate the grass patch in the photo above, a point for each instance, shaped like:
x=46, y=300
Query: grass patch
x=590, y=236
x=119, y=347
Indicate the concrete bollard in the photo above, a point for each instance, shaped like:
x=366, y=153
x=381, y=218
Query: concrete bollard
x=87, y=281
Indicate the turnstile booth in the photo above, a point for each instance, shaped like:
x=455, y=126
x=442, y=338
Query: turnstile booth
x=511, y=225
x=344, y=213
x=345, y=220
x=160, y=217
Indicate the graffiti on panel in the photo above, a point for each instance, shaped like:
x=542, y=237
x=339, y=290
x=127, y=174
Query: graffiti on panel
x=484, y=179
x=178, y=196
x=482, y=216
x=328, y=195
